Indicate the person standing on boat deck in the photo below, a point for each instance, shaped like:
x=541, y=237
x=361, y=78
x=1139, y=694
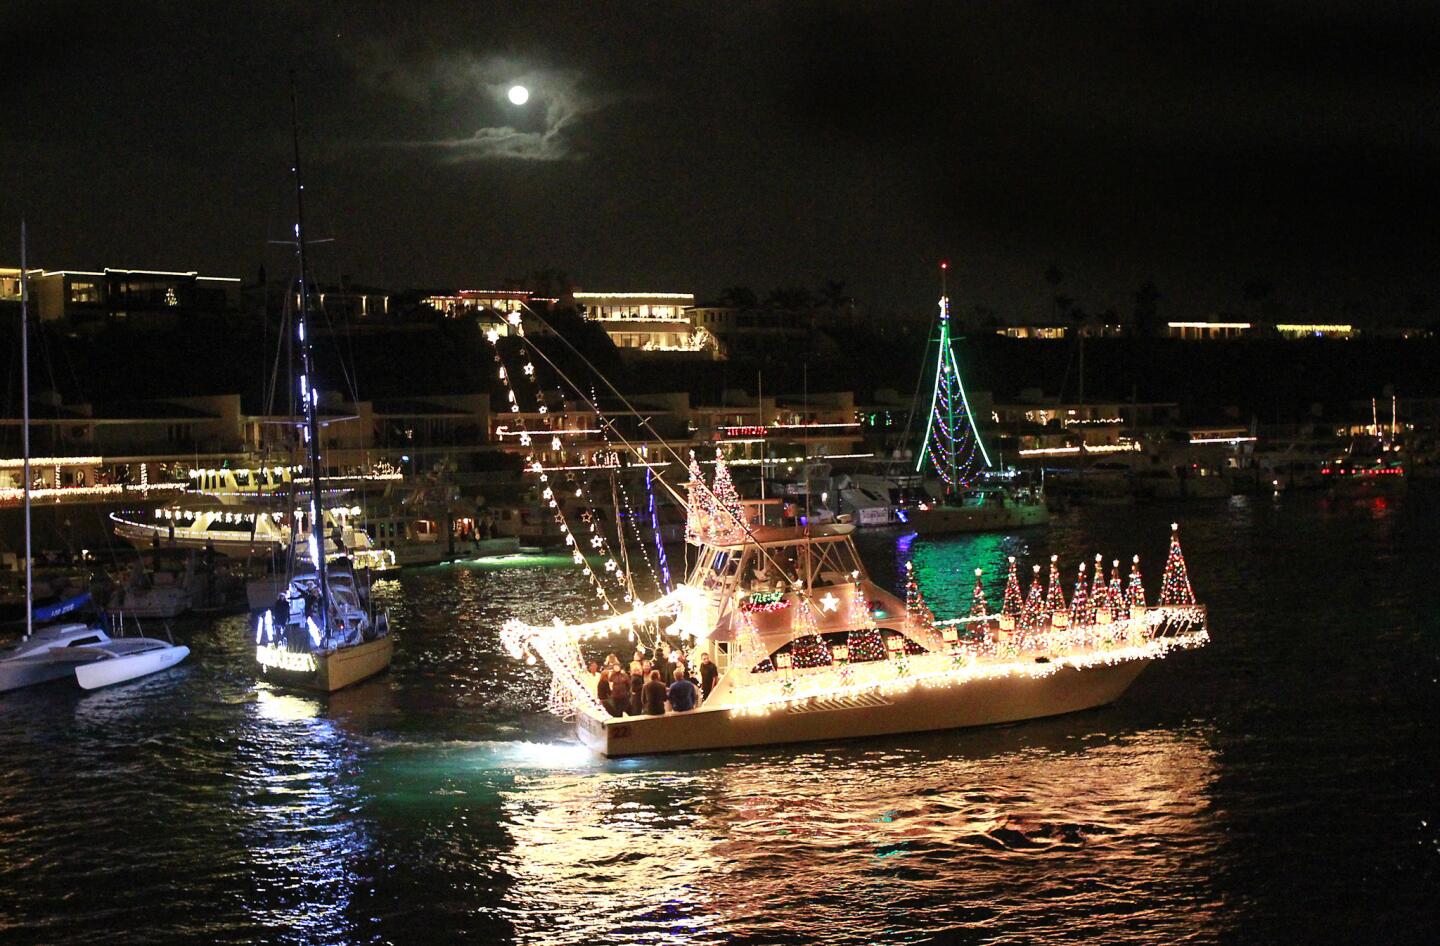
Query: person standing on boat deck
x=682, y=693
x=655, y=694
x=636, y=682
x=709, y=673
x=602, y=691
x=619, y=692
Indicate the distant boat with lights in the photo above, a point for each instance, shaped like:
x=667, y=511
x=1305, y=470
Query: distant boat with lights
x=808, y=648
x=322, y=632
x=975, y=497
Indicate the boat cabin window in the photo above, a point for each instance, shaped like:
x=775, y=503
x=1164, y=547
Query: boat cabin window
x=83, y=641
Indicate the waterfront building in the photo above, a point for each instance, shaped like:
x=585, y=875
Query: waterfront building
x=1055, y=331
x=1034, y=428
x=647, y=321
x=503, y=301
x=139, y=297
x=1208, y=330
x=91, y=452
x=1315, y=330
x=761, y=322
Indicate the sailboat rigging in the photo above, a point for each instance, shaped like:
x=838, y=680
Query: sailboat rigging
x=321, y=633
x=955, y=453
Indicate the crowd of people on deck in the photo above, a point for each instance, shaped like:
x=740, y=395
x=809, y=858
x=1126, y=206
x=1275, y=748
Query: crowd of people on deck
x=654, y=686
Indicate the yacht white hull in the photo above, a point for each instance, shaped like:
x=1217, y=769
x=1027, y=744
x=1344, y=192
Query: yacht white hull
x=989, y=518
x=980, y=702
x=238, y=544
x=103, y=673
x=335, y=670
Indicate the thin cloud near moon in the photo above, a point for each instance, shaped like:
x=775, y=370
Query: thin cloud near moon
x=483, y=84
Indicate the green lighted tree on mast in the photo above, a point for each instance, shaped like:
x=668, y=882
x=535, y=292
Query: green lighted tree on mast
x=952, y=441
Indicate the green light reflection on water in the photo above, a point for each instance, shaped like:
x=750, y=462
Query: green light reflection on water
x=945, y=567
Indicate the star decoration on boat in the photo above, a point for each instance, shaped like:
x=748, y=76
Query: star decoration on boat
x=830, y=602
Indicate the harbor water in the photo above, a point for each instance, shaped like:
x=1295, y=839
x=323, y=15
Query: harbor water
x=1277, y=786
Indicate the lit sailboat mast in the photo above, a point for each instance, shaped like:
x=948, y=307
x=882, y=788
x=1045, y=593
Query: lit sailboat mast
x=309, y=397
x=952, y=439
x=25, y=430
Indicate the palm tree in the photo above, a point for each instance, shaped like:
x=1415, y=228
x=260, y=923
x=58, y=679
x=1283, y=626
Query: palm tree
x=740, y=297
x=793, y=298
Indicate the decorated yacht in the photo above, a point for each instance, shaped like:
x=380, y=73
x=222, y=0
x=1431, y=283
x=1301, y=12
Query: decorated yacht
x=808, y=648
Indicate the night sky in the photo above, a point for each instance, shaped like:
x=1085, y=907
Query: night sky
x=1202, y=146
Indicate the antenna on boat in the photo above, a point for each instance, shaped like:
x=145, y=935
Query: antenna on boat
x=309, y=397
x=25, y=430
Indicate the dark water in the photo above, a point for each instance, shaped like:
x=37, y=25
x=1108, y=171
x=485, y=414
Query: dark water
x=1277, y=786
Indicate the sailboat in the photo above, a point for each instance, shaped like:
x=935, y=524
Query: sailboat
x=973, y=500
x=320, y=633
x=80, y=651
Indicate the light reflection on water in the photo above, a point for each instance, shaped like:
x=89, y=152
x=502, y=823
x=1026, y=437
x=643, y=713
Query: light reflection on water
x=863, y=844
x=1276, y=786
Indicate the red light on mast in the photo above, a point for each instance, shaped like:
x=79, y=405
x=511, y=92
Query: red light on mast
x=944, y=264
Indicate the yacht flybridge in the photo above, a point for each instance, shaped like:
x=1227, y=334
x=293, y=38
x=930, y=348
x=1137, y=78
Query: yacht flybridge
x=808, y=648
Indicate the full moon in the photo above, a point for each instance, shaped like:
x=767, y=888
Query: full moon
x=519, y=95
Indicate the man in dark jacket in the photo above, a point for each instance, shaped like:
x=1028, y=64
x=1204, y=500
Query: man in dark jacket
x=709, y=673
x=655, y=694
x=683, y=695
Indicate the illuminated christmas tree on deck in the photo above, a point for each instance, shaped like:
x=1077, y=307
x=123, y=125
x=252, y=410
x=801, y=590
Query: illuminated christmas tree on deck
x=697, y=516
x=952, y=442
x=1014, y=599
x=864, y=642
x=979, y=607
x=1099, y=600
x=808, y=648
x=1080, y=611
x=919, y=619
x=1033, y=613
x=728, y=516
x=1115, y=593
x=1175, y=584
x=1055, y=597
x=1135, y=593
